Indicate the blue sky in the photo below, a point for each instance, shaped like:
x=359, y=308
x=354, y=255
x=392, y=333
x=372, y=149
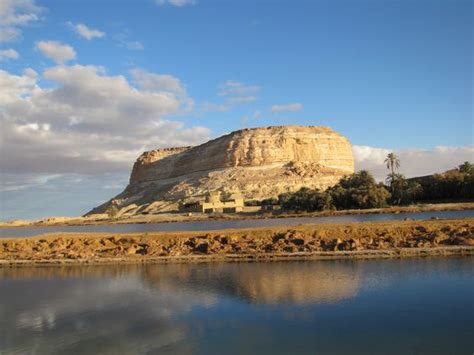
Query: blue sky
x=389, y=75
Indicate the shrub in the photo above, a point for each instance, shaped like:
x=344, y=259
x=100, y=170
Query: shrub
x=306, y=199
x=404, y=191
x=359, y=190
x=269, y=201
x=252, y=203
x=112, y=211
x=466, y=168
x=456, y=184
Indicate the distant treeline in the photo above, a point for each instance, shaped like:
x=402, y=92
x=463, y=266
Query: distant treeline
x=360, y=191
x=456, y=184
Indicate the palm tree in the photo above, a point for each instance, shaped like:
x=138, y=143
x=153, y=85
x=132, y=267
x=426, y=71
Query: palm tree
x=393, y=162
x=466, y=167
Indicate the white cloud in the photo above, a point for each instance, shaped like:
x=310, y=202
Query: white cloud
x=123, y=39
x=157, y=82
x=414, y=162
x=88, y=123
x=56, y=51
x=234, y=93
x=15, y=14
x=13, y=87
x=234, y=88
x=22, y=182
x=153, y=82
x=86, y=32
x=247, y=118
x=212, y=107
x=177, y=3
x=9, y=53
x=293, y=107
x=133, y=45
x=238, y=100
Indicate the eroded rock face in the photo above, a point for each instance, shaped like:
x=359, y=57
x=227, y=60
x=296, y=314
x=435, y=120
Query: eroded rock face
x=142, y=166
x=258, y=163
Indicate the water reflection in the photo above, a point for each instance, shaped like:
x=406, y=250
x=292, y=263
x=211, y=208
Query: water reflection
x=191, y=308
x=91, y=309
x=270, y=283
x=84, y=308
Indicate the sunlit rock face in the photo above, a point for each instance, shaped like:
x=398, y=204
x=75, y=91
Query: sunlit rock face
x=257, y=163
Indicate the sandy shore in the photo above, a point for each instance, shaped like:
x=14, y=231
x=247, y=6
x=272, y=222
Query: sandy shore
x=343, y=240
x=186, y=217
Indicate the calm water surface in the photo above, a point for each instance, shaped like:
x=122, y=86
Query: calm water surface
x=417, y=306
x=213, y=225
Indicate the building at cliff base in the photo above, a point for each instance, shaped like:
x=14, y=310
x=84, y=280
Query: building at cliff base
x=214, y=203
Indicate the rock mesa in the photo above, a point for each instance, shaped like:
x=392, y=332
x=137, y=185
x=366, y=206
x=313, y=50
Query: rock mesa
x=257, y=163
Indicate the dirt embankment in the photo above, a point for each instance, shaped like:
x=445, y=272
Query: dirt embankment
x=368, y=239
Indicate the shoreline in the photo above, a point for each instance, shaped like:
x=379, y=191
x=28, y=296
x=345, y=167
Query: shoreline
x=464, y=251
x=356, y=240
x=196, y=217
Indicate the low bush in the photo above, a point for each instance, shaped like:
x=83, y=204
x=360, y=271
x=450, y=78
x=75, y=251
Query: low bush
x=306, y=199
x=359, y=190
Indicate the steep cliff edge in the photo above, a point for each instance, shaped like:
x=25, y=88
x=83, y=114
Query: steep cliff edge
x=259, y=163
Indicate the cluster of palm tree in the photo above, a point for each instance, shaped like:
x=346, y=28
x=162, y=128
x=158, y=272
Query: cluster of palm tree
x=402, y=191
x=361, y=190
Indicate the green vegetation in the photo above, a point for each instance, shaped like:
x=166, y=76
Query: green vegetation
x=112, y=211
x=403, y=191
x=361, y=191
x=252, y=203
x=456, y=184
x=392, y=162
x=452, y=185
x=306, y=199
x=270, y=201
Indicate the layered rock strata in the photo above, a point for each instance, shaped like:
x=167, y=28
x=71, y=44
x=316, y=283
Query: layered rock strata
x=257, y=163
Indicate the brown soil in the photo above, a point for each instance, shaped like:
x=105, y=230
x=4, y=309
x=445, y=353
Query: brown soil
x=368, y=239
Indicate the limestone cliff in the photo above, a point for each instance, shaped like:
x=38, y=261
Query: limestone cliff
x=258, y=162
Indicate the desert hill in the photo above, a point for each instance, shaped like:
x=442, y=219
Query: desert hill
x=257, y=163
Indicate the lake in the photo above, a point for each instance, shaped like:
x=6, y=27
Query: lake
x=227, y=224
x=411, y=306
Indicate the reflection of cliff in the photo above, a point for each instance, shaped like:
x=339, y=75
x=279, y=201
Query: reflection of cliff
x=272, y=283
x=299, y=283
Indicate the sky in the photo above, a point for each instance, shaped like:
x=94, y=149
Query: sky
x=86, y=86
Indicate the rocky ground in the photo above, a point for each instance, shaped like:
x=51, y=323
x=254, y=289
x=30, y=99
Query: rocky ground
x=368, y=239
